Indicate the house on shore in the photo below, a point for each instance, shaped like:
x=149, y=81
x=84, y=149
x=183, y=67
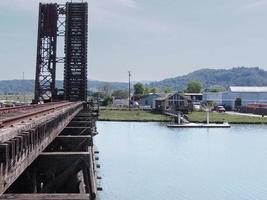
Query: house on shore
x=195, y=97
x=149, y=100
x=173, y=102
x=120, y=103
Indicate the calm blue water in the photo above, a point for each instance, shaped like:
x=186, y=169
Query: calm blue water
x=147, y=161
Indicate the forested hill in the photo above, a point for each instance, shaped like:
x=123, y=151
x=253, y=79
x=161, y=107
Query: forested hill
x=19, y=86
x=240, y=76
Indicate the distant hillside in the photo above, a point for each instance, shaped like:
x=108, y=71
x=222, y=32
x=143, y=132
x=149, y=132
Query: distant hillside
x=19, y=86
x=239, y=76
x=16, y=86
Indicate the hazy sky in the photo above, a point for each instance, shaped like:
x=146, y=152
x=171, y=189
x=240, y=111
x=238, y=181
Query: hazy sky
x=155, y=39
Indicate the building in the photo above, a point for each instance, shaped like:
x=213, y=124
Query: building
x=213, y=97
x=174, y=102
x=244, y=96
x=195, y=97
x=149, y=100
x=237, y=96
x=120, y=102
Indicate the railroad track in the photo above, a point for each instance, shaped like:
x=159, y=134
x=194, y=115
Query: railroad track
x=29, y=112
x=25, y=107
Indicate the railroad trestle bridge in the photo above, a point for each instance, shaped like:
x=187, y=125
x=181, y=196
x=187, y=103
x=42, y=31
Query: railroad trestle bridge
x=46, y=148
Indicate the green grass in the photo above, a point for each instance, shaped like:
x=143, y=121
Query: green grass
x=222, y=117
x=133, y=115
x=112, y=114
x=28, y=98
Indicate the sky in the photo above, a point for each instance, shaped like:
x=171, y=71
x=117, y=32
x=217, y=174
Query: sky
x=154, y=39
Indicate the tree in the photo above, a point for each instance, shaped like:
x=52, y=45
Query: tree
x=154, y=90
x=217, y=88
x=107, y=101
x=105, y=88
x=98, y=95
x=194, y=87
x=138, y=89
x=147, y=90
x=120, y=94
x=167, y=90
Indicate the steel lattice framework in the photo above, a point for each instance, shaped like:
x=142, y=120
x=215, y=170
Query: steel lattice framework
x=75, y=74
x=71, y=22
x=46, y=53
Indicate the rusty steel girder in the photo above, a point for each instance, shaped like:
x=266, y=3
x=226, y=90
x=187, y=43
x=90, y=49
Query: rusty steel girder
x=46, y=53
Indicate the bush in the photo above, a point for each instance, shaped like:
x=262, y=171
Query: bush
x=108, y=100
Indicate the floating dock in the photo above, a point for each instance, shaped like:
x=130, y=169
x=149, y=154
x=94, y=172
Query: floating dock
x=196, y=125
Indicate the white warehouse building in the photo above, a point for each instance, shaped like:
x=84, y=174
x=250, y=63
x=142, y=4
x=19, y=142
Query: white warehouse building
x=213, y=96
x=248, y=95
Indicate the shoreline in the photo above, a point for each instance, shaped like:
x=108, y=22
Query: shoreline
x=129, y=120
x=194, y=117
x=144, y=121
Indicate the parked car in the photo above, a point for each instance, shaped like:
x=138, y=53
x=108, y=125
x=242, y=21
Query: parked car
x=220, y=109
x=196, y=106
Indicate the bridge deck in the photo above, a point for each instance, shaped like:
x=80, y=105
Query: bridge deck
x=45, y=197
x=28, y=135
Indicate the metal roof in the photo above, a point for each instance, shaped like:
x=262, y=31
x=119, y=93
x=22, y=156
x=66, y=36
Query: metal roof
x=163, y=96
x=192, y=94
x=247, y=89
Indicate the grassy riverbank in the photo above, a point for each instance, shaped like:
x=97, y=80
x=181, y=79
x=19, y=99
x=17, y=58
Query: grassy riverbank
x=132, y=115
x=222, y=117
x=21, y=98
x=197, y=117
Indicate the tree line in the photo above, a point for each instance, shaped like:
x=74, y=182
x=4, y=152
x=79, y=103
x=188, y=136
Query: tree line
x=140, y=90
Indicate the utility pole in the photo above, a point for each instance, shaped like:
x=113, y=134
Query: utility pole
x=129, y=73
x=208, y=113
x=23, y=91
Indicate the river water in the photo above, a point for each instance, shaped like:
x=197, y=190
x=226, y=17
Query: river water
x=148, y=161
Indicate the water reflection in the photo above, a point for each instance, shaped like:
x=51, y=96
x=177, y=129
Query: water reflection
x=149, y=161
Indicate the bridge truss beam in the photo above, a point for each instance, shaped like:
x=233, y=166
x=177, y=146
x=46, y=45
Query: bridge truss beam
x=69, y=21
x=75, y=71
x=46, y=53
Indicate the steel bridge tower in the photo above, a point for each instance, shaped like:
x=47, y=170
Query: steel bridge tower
x=70, y=21
x=75, y=71
x=46, y=53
